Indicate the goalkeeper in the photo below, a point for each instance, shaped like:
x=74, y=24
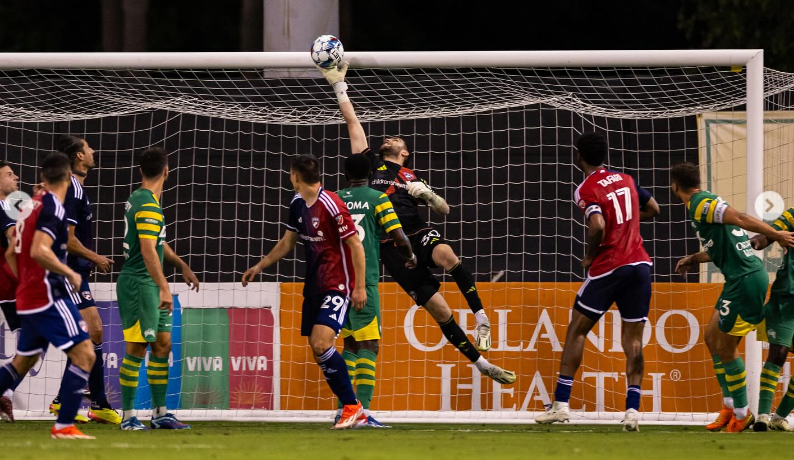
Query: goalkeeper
x=391, y=176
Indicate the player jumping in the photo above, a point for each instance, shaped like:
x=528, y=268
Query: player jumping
x=405, y=190
x=8, y=281
x=83, y=259
x=619, y=272
x=739, y=308
x=145, y=302
x=44, y=300
x=335, y=275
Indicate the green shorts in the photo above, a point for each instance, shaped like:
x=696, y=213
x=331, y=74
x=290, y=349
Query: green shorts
x=779, y=321
x=365, y=324
x=141, y=319
x=741, y=303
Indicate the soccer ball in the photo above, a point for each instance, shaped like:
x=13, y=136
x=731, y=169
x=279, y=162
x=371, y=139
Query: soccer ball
x=327, y=51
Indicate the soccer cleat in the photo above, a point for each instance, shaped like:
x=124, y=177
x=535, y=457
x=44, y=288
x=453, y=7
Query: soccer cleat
x=483, y=336
x=726, y=414
x=70, y=432
x=761, y=423
x=372, y=423
x=55, y=407
x=631, y=420
x=500, y=375
x=168, y=422
x=351, y=417
x=107, y=416
x=737, y=426
x=336, y=418
x=558, y=412
x=133, y=424
x=779, y=423
x=6, y=409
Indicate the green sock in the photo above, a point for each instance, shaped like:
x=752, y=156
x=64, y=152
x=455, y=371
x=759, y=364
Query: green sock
x=350, y=360
x=769, y=377
x=128, y=378
x=157, y=372
x=736, y=378
x=719, y=369
x=787, y=403
x=365, y=377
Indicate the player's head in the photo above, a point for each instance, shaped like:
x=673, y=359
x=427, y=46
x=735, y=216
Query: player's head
x=9, y=182
x=79, y=152
x=684, y=178
x=305, y=170
x=154, y=163
x=591, y=150
x=357, y=167
x=394, y=149
x=56, y=170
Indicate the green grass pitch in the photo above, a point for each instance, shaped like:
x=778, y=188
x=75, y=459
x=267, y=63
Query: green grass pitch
x=26, y=440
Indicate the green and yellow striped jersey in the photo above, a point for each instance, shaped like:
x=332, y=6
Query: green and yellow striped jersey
x=784, y=281
x=728, y=246
x=143, y=220
x=372, y=212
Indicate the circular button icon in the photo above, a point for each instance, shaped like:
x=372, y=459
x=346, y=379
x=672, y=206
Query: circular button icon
x=769, y=205
x=20, y=205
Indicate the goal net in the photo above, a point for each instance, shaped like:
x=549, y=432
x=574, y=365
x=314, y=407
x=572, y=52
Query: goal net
x=495, y=141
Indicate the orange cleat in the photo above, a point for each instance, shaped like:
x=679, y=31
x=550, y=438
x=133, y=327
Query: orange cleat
x=352, y=416
x=70, y=432
x=737, y=425
x=726, y=414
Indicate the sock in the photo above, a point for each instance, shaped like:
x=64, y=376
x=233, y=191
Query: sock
x=333, y=367
x=8, y=377
x=159, y=411
x=769, y=377
x=60, y=426
x=157, y=373
x=728, y=402
x=787, y=403
x=9, y=393
x=128, y=377
x=633, y=395
x=458, y=339
x=719, y=369
x=735, y=377
x=72, y=391
x=350, y=359
x=482, y=364
x=480, y=317
x=96, y=381
x=562, y=393
x=365, y=377
x=465, y=281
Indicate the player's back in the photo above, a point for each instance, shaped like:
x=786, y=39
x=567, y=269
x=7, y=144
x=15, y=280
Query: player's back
x=143, y=219
x=615, y=196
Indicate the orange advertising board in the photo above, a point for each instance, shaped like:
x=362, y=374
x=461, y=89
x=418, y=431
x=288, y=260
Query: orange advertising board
x=417, y=370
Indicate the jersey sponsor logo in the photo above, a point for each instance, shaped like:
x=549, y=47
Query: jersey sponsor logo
x=314, y=239
x=611, y=179
x=342, y=229
x=745, y=247
x=351, y=205
x=315, y=222
x=388, y=182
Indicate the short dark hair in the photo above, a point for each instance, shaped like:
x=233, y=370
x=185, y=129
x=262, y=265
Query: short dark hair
x=4, y=163
x=357, y=167
x=55, y=168
x=153, y=162
x=592, y=148
x=686, y=175
x=71, y=146
x=307, y=167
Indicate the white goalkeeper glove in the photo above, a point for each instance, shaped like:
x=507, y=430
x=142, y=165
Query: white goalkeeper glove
x=421, y=191
x=336, y=77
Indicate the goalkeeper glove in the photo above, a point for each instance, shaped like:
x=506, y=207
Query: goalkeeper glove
x=336, y=77
x=421, y=191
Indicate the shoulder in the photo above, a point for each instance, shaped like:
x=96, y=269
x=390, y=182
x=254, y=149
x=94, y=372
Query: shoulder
x=583, y=190
x=52, y=206
x=786, y=220
x=75, y=190
x=332, y=203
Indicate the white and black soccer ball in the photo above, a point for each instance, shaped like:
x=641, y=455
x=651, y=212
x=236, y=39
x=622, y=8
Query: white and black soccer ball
x=327, y=51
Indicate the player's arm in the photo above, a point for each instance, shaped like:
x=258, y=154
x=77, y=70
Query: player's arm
x=649, y=208
x=41, y=252
x=76, y=248
x=421, y=191
x=284, y=246
x=11, y=256
x=404, y=247
x=187, y=274
x=784, y=222
x=596, y=228
x=359, y=296
x=152, y=261
x=685, y=264
x=751, y=224
x=390, y=223
x=336, y=78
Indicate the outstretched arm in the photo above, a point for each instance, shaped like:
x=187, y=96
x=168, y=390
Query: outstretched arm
x=336, y=77
x=751, y=224
x=284, y=246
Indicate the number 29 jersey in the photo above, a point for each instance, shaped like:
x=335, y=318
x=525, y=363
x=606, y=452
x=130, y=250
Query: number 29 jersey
x=616, y=197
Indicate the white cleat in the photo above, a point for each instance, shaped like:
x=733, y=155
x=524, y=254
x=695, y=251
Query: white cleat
x=558, y=412
x=483, y=336
x=499, y=375
x=779, y=423
x=631, y=421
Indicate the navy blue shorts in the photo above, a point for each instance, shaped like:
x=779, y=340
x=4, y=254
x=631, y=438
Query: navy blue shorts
x=83, y=298
x=60, y=325
x=9, y=308
x=329, y=309
x=628, y=286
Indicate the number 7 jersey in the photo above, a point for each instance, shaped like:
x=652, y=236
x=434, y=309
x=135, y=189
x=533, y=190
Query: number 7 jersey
x=616, y=197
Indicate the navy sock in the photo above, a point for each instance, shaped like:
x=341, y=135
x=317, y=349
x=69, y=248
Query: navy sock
x=335, y=371
x=8, y=378
x=562, y=393
x=72, y=389
x=633, y=397
x=96, y=381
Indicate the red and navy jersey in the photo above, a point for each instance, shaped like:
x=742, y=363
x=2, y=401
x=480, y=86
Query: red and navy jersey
x=79, y=214
x=39, y=288
x=391, y=178
x=8, y=282
x=323, y=227
x=615, y=196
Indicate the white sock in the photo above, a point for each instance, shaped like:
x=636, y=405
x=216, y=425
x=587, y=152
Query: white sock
x=482, y=364
x=741, y=412
x=559, y=405
x=366, y=412
x=159, y=411
x=128, y=414
x=60, y=426
x=728, y=402
x=480, y=317
x=339, y=411
x=9, y=393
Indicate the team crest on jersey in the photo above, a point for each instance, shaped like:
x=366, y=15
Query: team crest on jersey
x=83, y=326
x=87, y=295
x=315, y=222
x=409, y=176
x=339, y=219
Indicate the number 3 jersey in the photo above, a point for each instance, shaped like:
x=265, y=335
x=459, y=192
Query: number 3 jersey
x=371, y=211
x=616, y=197
x=143, y=220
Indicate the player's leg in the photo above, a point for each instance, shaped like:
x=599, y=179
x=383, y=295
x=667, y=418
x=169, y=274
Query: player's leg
x=778, y=421
x=157, y=372
x=350, y=355
x=367, y=334
x=778, y=331
x=9, y=311
x=135, y=319
x=73, y=384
